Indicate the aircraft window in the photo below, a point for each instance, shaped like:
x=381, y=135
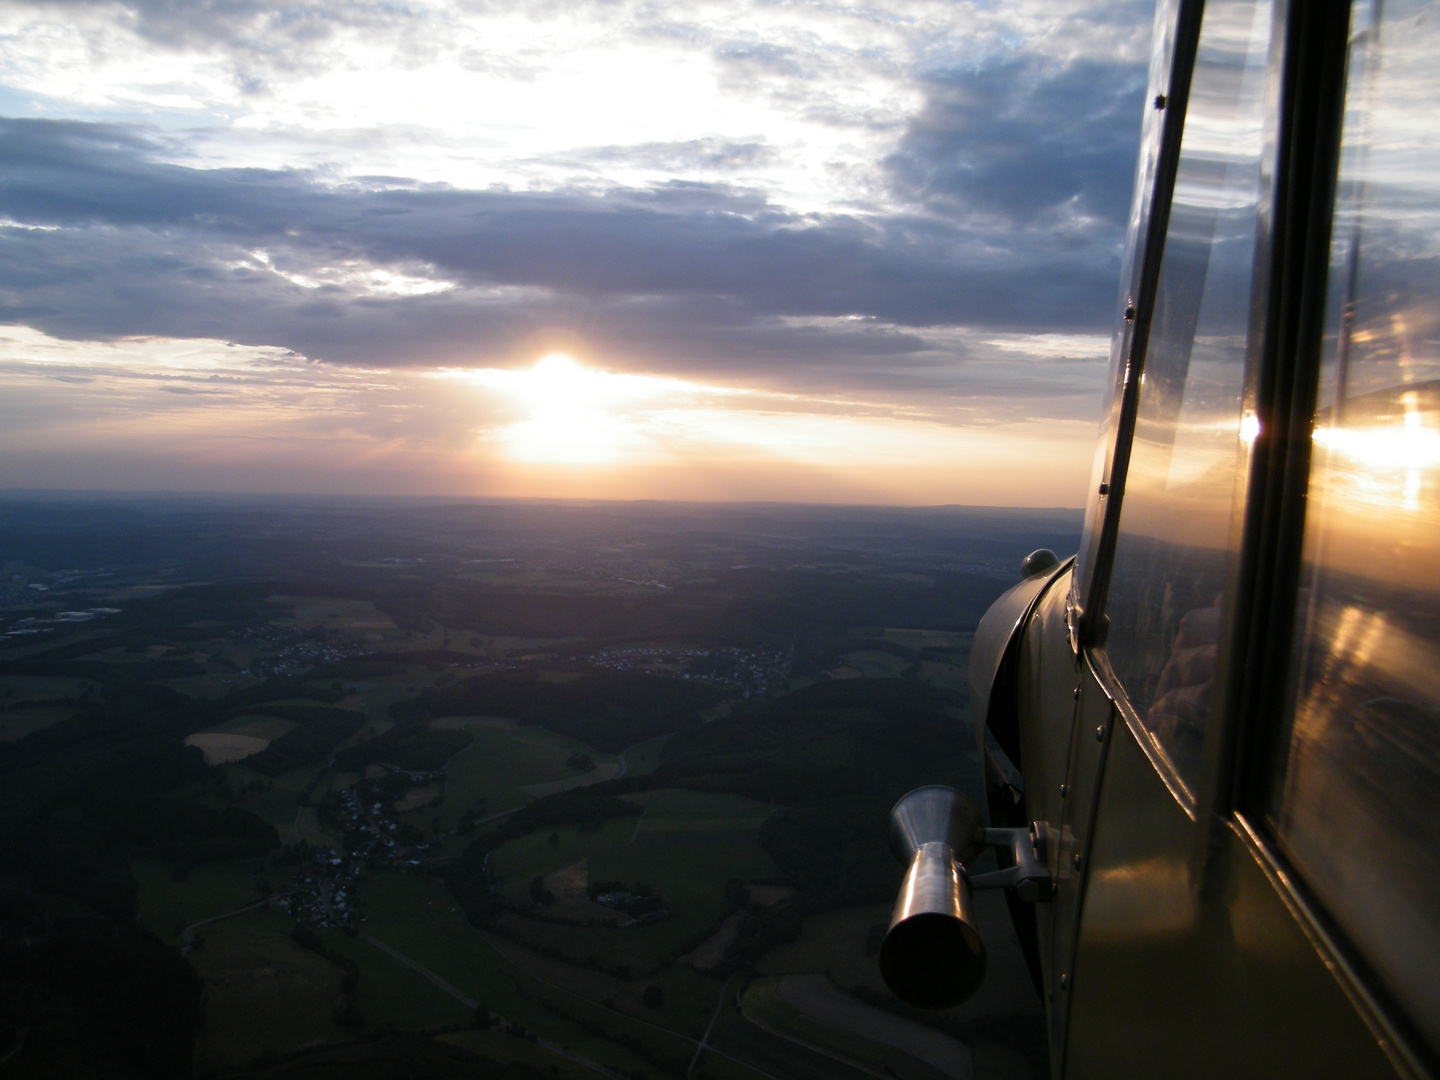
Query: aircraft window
x=1189, y=448
x=1357, y=806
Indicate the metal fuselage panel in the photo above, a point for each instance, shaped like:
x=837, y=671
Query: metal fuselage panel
x=1155, y=964
x=1213, y=977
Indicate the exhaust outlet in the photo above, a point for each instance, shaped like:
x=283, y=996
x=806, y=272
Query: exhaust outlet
x=932, y=956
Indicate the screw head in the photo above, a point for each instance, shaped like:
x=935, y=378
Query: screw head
x=1064, y=981
x=1100, y=733
x=1064, y=789
x=1075, y=860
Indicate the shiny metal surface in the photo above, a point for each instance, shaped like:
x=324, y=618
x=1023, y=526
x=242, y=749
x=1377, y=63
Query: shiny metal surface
x=932, y=956
x=1189, y=457
x=1027, y=873
x=935, y=814
x=1189, y=984
x=994, y=638
x=1356, y=802
x=1038, y=562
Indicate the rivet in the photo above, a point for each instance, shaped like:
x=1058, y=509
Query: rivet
x=1063, y=790
x=1100, y=733
x=1159, y=101
x=1064, y=981
x=1075, y=860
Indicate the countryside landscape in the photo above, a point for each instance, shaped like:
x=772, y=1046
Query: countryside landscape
x=406, y=788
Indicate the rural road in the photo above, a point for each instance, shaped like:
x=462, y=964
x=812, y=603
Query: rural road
x=704, y=1041
x=188, y=934
x=471, y=1003
x=701, y=1044
x=414, y=965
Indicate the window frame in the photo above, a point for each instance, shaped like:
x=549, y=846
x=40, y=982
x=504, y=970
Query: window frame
x=1251, y=750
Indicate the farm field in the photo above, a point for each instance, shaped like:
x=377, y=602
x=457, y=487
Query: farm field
x=685, y=846
x=265, y=993
x=18, y=689
x=834, y=942
x=504, y=758
x=389, y=992
x=767, y=1003
x=220, y=747
x=209, y=889
x=644, y=758
x=17, y=723
x=419, y=919
x=333, y=612
x=504, y=1047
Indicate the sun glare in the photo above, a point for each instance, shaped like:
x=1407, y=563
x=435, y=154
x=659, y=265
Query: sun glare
x=579, y=415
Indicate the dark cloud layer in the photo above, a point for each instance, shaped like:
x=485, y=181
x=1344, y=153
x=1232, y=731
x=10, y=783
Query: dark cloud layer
x=1017, y=179
x=1025, y=144
x=261, y=26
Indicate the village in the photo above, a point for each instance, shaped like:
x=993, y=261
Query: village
x=326, y=893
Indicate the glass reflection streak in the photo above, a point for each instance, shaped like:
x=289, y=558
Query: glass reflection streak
x=1190, y=447
x=1358, y=806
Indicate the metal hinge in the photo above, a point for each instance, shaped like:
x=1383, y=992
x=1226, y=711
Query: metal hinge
x=1028, y=876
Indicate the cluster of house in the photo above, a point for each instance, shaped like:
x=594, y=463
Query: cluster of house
x=326, y=894
x=291, y=650
x=375, y=823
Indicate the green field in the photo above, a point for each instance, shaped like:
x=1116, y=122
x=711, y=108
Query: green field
x=18, y=688
x=869, y=663
x=644, y=758
x=17, y=723
x=762, y=1002
x=263, y=992
x=504, y=757
x=208, y=889
x=834, y=942
x=389, y=992
x=503, y=1047
x=277, y=806
x=420, y=920
x=685, y=847
x=355, y=616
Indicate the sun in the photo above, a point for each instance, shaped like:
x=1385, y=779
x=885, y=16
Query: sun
x=574, y=414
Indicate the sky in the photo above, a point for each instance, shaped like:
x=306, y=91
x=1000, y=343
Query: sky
x=808, y=251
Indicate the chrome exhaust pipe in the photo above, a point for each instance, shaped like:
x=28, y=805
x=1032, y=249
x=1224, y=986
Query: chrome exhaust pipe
x=932, y=956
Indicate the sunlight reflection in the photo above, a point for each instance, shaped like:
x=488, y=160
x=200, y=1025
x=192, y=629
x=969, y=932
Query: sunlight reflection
x=1408, y=449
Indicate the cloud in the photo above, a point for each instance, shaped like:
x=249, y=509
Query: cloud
x=273, y=28
x=160, y=413
x=1025, y=143
x=708, y=154
x=684, y=276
